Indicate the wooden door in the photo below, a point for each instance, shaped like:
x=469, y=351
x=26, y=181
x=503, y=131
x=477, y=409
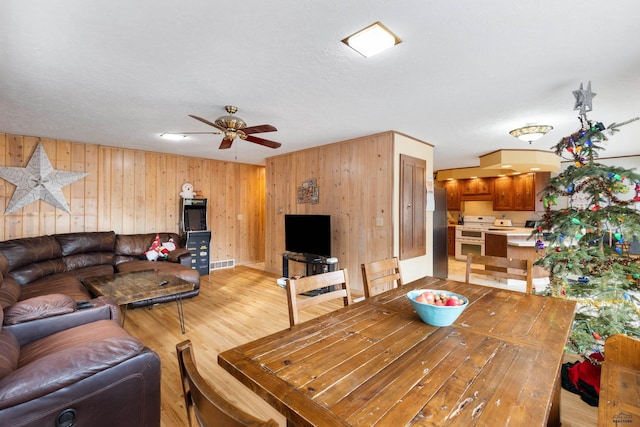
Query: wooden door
x=413, y=207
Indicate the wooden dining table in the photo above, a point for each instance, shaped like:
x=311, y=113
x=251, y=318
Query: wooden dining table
x=375, y=363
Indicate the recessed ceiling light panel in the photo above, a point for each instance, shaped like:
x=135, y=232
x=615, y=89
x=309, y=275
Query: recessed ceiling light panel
x=372, y=40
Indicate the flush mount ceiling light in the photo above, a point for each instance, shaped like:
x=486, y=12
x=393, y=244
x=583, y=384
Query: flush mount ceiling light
x=530, y=133
x=372, y=40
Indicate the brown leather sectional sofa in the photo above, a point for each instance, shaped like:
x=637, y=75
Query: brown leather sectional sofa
x=93, y=374
x=57, y=264
x=61, y=365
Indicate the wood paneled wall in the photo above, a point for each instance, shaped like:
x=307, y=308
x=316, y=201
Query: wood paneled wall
x=355, y=180
x=134, y=191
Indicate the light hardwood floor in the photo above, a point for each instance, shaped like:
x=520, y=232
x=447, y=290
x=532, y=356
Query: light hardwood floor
x=236, y=306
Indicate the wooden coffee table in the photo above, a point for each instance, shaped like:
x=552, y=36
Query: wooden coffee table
x=126, y=288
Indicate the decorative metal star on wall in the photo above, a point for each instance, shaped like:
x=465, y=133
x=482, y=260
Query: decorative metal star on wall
x=38, y=181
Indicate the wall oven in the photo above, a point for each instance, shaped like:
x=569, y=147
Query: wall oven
x=466, y=246
x=470, y=236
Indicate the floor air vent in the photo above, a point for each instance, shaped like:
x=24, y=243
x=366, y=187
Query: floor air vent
x=226, y=263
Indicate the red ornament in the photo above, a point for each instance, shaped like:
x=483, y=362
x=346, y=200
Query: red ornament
x=596, y=335
x=558, y=249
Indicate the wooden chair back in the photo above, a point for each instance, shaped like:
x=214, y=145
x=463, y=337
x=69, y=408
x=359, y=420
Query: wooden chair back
x=380, y=276
x=505, y=268
x=619, y=379
x=337, y=283
x=209, y=407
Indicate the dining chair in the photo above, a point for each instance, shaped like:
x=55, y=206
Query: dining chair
x=620, y=371
x=504, y=268
x=380, y=276
x=210, y=408
x=332, y=285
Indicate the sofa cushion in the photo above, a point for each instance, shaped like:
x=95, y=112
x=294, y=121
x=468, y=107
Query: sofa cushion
x=82, y=243
x=92, y=271
x=57, y=284
x=131, y=246
x=9, y=353
x=27, y=250
x=39, y=308
x=9, y=292
x=66, y=357
x=38, y=270
x=78, y=261
x=4, y=264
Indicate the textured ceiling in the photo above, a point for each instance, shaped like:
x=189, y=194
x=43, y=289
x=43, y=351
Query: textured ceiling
x=119, y=73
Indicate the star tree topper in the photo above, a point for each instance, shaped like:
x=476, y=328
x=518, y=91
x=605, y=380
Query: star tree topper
x=38, y=181
x=584, y=99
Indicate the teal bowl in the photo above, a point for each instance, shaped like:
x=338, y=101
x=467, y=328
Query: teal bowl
x=437, y=315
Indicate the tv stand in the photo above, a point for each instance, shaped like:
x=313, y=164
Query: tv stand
x=314, y=264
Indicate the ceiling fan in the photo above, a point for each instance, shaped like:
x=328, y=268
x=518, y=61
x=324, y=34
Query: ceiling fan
x=233, y=126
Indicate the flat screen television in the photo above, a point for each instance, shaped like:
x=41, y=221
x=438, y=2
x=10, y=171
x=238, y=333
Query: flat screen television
x=308, y=234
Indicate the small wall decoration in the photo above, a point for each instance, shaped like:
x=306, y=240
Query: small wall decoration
x=38, y=181
x=308, y=192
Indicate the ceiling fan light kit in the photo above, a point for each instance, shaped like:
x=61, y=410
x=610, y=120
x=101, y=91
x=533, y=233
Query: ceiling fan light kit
x=231, y=121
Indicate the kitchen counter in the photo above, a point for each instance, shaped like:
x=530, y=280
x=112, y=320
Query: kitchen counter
x=511, y=231
x=519, y=245
x=517, y=236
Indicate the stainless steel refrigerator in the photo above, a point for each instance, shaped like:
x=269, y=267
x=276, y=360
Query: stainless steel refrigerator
x=440, y=236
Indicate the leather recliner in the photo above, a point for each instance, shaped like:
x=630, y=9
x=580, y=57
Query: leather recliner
x=92, y=374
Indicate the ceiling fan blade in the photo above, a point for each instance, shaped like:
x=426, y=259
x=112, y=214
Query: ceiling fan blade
x=261, y=141
x=226, y=143
x=259, y=129
x=208, y=122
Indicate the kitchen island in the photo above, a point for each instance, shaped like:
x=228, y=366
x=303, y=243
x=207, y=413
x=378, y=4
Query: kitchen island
x=515, y=242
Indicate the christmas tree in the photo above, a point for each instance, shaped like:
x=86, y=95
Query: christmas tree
x=585, y=245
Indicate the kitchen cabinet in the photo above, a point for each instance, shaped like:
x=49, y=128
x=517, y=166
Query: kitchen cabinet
x=503, y=194
x=453, y=195
x=519, y=192
x=524, y=192
x=451, y=240
x=476, y=186
x=476, y=189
